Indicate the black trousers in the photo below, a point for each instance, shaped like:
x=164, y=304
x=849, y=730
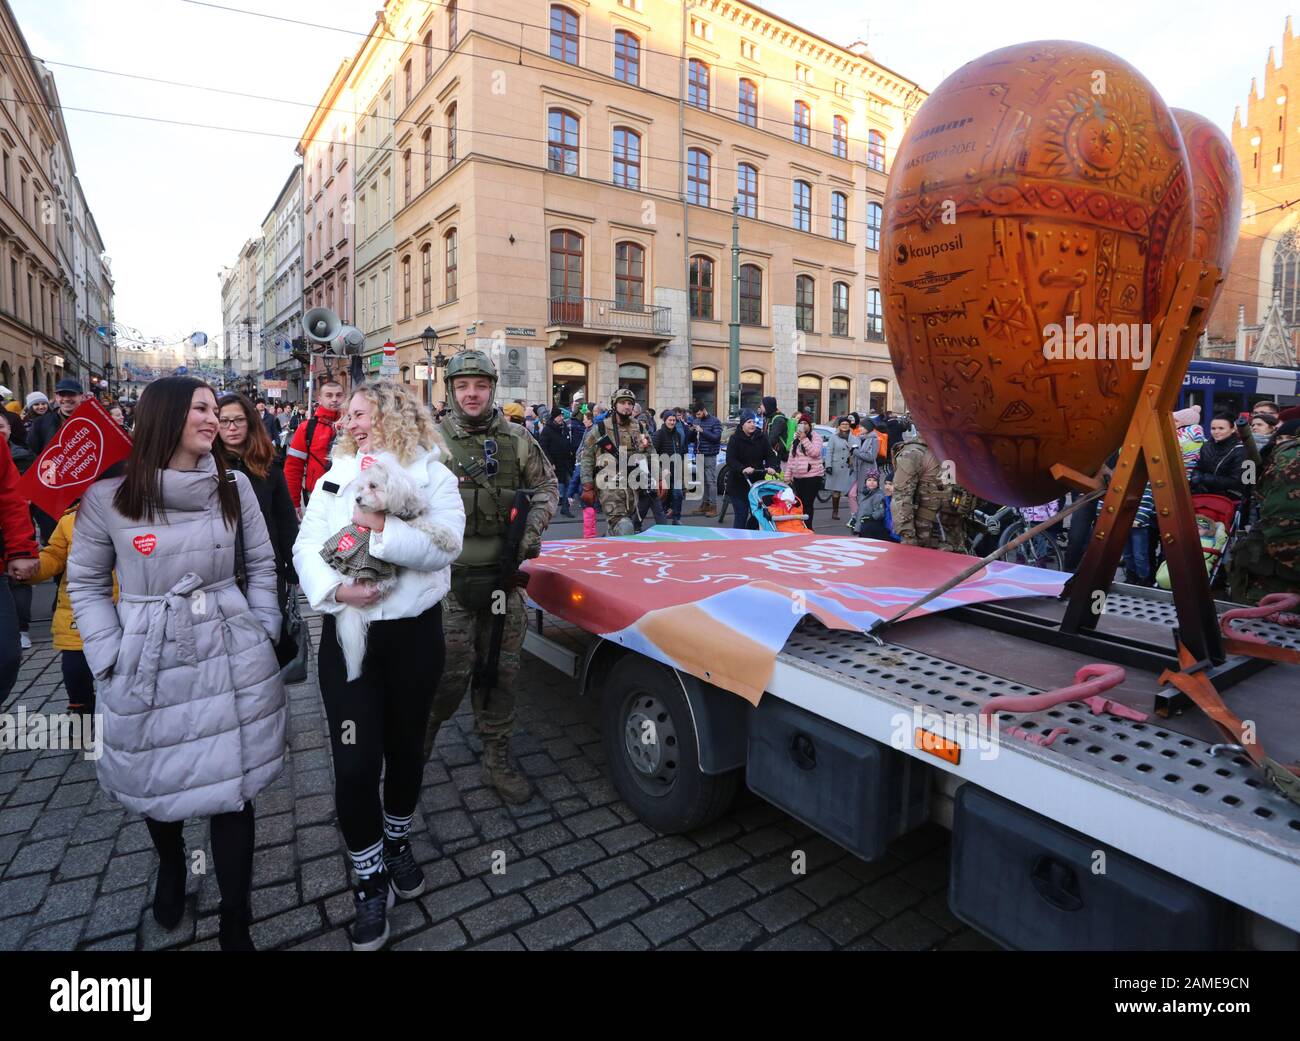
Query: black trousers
x=377, y=721
x=232, y=850
x=807, y=488
x=11, y=654
x=79, y=681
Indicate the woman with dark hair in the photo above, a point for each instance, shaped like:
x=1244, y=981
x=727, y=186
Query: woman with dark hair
x=250, y=451
x=187, y=680
x=559, y=450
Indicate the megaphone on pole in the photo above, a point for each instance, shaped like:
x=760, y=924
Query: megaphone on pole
x=330, y=336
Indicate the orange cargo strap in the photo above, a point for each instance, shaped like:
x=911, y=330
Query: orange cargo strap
x=1192, y=680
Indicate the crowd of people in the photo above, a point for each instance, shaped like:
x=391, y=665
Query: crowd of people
x=179, y=570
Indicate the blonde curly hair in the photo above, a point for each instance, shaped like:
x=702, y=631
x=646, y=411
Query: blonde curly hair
x=399, y=423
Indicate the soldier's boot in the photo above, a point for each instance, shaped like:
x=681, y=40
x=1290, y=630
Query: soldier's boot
x=501, y=773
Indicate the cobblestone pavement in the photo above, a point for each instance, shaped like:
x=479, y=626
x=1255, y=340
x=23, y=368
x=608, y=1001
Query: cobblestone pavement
x=76, y=871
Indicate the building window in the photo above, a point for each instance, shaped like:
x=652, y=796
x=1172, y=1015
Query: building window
x=840, y=309
x=802, y=73
x=701, y=29
x=749, y=50
x=566, y=278
x=802, y=123
x=428, y=56
x=1286, y=275
x=804, y=299
x=629, y=277
x=802, y=197
x=408, y=83
x=879, y=396
x=449, y=266
x=564, y=35
x=838, y=399
x=406, y=174
x=841, y=89
x=697, y=84
x=751, y=389
x=876, y=151
x=840, y=137
x=406, y=287
x=627, y=158
x=875, y=317
x=747, y=189
x=452, y=34
x=562, y=151
x=748, y=112
x=451, y=135
x=875, y=213
x=809, y=397
x=751, y=294
x=426, y=277
x=568, y=383
x=704, y=389
x=697, y=177
x=701, y=287
x=840, y=216
x=627, y=57
x=428, y=157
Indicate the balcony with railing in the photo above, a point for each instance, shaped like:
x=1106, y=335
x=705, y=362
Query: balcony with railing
x=613, y=319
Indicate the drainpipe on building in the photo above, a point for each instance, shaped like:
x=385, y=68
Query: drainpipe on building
x=686, y=220
x=733, y=380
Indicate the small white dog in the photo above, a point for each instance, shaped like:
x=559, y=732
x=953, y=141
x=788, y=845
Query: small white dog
x=382, y=486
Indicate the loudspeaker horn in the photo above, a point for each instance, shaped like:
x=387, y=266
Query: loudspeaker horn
x=321, y=325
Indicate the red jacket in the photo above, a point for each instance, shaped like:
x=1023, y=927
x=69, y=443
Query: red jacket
x=15, y=516
x=314, y=460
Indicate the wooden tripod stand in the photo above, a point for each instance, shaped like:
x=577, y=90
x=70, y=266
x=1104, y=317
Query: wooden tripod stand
x=1150, y=451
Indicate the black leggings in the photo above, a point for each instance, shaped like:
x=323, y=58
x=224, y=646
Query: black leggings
x=232, y=850
x=807, y=488
x=79, y=681
x=377, y=721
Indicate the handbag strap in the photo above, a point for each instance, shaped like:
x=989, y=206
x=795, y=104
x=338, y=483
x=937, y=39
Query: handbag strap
x=241, y=567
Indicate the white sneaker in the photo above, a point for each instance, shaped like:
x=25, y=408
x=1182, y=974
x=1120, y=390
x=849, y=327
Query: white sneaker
x=25, y=640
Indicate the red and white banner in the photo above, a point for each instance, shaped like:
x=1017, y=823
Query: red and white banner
x=87, y=444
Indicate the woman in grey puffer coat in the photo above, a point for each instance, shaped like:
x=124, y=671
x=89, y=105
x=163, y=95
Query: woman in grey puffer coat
x=188, y=683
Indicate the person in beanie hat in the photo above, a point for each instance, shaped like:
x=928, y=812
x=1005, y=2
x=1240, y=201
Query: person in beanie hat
x=559, y=449
x=37, y=398
x=749, y=456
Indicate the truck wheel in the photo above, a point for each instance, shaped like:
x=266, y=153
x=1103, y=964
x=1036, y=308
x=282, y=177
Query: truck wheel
x=653, y=749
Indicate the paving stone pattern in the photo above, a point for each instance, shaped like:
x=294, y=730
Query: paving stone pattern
x=572, y=868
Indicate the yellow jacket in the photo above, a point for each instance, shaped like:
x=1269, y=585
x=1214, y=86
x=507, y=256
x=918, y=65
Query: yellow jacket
x=54, y=561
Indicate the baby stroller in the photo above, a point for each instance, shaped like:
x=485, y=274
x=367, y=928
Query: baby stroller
x=1216, y=521
x=775, y=507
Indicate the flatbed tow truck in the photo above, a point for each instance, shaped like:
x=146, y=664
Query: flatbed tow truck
x=1115, y=834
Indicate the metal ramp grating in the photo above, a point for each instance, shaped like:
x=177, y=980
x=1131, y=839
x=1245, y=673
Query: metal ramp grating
x=1176, y=771
x=1161, y=612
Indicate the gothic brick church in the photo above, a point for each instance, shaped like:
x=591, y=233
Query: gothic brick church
x=1257, y=318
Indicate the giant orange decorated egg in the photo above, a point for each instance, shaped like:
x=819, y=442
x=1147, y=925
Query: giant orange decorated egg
x=1038, y=209
x=1216, y=183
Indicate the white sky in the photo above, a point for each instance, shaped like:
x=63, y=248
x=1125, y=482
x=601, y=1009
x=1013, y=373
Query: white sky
x=175, y=204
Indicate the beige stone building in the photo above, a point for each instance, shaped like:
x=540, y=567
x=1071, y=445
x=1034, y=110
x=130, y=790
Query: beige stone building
x=562, y=183
x=38, y=301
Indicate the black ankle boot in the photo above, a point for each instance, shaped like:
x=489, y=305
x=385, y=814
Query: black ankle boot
x=233, y=933
x=169, y=892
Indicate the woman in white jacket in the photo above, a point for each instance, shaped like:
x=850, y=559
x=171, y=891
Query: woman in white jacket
x=377, y=721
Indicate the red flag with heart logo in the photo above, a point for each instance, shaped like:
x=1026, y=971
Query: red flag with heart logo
x=87, y=444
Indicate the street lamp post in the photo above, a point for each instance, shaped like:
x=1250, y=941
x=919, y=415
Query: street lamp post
x=430, y=339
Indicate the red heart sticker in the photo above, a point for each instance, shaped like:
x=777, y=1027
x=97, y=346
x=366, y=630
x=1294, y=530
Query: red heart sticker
x=145, y=543
x=345, y=543
x=367, y=461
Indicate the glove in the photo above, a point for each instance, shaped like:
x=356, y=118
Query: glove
x=589, y=495
x=530, y=546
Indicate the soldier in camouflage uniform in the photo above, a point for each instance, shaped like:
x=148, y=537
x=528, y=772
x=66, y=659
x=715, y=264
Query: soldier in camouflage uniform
x=1267, y=560
x=491, y=458
x=919, y=494
x=615, y=462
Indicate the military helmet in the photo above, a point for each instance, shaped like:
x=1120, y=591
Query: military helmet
x=471, y=363
x=622, y=394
